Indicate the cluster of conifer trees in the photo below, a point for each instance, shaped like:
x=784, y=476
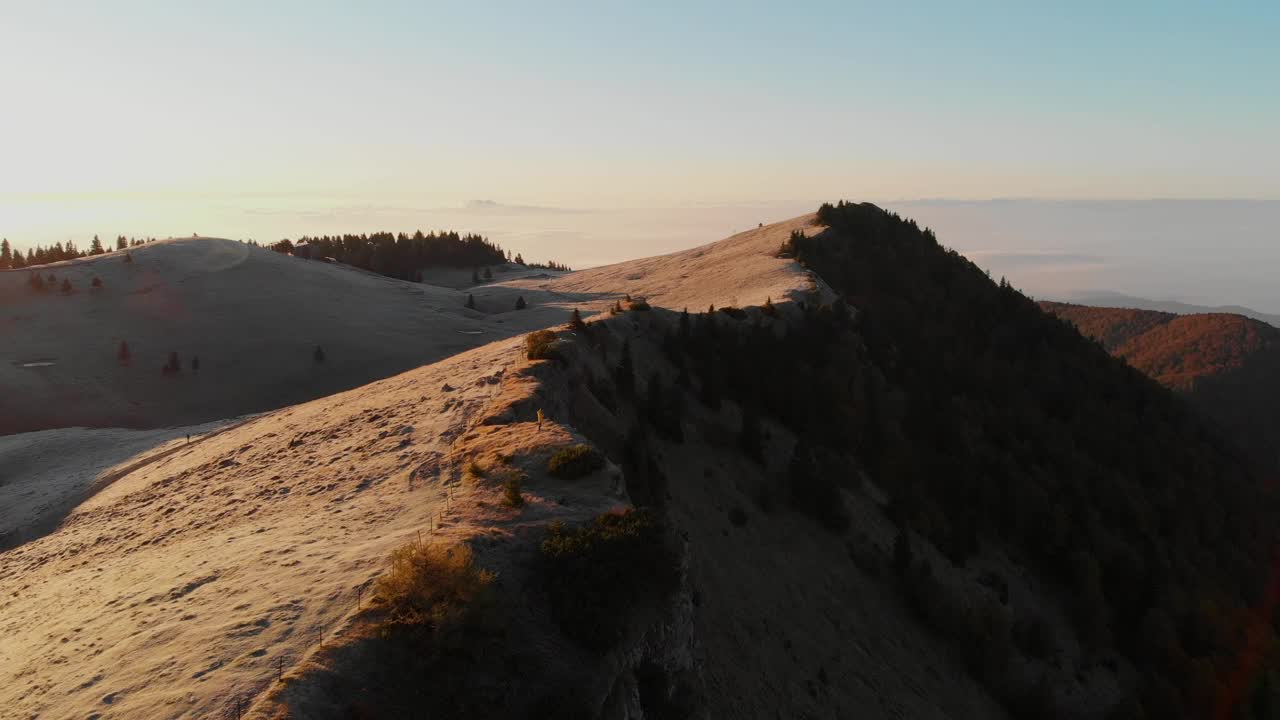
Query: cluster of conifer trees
x=1008, y=426
x=13, y=259
x=398, y=255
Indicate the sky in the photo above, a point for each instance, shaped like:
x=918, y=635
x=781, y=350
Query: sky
x=634, y=128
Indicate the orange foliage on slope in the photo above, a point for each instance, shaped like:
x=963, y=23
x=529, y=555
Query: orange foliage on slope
x=1176, y=350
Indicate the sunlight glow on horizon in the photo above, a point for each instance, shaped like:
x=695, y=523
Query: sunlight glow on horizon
x=268, y=120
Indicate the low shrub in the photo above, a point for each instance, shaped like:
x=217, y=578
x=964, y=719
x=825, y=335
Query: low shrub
x=599, y=574
x=540, y=345
x=574, y=462
x=511, y=495
x=436, y=587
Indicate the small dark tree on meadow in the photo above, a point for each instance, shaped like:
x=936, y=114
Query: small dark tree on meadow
x=576, y=323
x=97, y=283
x=66, y=286
x=471, y=301
x=122, y=354
x=318, y=355
x=520, y=303
x=36, y=282
x=51, y=279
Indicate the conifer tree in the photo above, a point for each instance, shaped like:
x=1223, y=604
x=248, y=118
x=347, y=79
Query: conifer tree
x=6, y=255
x=95, y=247
x=66, y=285
x=471, y=301
x=575, y=321
x=97, y=283
x=520, y=303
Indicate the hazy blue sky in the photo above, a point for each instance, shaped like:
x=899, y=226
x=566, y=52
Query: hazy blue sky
x=232, y=118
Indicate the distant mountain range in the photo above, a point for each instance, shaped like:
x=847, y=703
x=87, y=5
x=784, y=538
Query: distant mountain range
x=1108, y=299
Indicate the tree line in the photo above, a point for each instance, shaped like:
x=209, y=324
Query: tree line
x=14, y=259
x=403, y=255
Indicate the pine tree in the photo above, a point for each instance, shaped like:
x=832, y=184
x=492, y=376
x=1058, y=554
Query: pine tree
x=36, y=282
x=471, y=301
x=97, y=283
x=66, y=285
x=576, y=323
x=121, y=242
x=6, y=255
x=122, y=354
x=95, y=247
x=520, y=303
